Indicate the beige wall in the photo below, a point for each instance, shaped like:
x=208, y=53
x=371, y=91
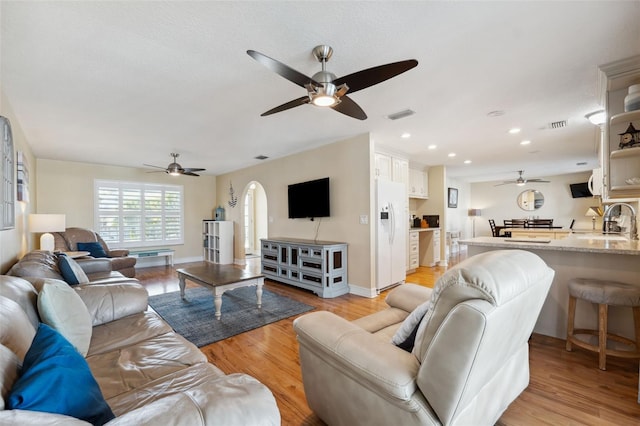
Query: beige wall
x=14, y=243
x=67, y=187
x=499, y=202
x=347, y=163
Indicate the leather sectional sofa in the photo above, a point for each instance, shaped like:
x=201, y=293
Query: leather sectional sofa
x=146, y=373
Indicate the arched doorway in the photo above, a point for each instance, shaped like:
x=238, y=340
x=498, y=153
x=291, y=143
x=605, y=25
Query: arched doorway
x=254, y=218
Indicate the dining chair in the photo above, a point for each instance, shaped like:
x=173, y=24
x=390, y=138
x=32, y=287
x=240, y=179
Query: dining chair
x=494, y=231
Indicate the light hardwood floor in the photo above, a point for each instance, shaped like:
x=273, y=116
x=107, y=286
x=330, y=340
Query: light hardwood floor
x=566, y=388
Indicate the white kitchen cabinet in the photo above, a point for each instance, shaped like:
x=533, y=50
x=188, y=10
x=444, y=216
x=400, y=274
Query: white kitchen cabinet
x=413, y=258
x=390, y=167
x=418, y=184
x=621, y=160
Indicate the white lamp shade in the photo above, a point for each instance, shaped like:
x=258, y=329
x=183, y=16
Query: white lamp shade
x=47, y=223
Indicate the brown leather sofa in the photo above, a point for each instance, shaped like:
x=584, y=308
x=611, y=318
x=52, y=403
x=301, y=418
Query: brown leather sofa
x=119, y=258
x=147, y=373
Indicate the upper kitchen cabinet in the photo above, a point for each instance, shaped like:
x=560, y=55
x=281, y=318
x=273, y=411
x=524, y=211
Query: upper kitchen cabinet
x=418, y=184
x=392, y=168
x=621, y=141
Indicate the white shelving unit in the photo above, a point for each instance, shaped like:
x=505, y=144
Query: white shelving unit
x=319, y=266
x=619, y=165
x=218, y=241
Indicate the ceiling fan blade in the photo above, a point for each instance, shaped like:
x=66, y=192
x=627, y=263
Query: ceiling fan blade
x=347, y=106
x=506, y=183
x=291, y=104
x=366, y=78
x=281, y=69
x=157, y=167
x=186, y=173
x=538, y=180
x=191, y=170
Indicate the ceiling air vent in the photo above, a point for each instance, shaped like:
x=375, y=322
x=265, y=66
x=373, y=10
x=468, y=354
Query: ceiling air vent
x=557, y=124
x=261, y=157
x=400, y=114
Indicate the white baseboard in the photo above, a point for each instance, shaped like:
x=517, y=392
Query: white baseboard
x=363, y=292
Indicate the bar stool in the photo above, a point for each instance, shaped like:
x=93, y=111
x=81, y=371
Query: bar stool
x=605, y=294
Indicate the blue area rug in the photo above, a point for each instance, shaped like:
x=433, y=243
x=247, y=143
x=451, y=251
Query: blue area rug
x=194, y=318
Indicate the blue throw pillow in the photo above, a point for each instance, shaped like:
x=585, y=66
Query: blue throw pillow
x=55, y=378
x=71, y=271
x=95, y=249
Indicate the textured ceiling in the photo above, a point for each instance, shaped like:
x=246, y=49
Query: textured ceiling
x=127, y=83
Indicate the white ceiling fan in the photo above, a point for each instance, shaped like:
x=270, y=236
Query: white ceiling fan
x=522, y=181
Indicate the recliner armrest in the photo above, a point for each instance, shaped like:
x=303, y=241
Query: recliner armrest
x=376, y=364
x=118, y=253
x=92, y=265
x=109, y=302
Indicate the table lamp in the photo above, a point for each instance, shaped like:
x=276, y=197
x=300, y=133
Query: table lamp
x=46, y=223
x=593, y=212
x=474, y=213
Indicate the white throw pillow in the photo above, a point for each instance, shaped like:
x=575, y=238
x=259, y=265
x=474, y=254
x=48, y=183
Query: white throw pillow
x=61, y=308
x=409, y=324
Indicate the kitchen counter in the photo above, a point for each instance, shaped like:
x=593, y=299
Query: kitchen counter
x=580, y=255
x=585, y=243
x=412, y=229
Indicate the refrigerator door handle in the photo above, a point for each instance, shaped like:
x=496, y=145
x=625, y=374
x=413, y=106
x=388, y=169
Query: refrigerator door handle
x=392, y=224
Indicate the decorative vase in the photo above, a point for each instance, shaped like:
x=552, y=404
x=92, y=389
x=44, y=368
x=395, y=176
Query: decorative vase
x=632, y=100
x=219, y=213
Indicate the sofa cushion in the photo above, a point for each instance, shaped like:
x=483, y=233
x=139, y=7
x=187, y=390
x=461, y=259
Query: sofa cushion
x=23, y=293
x=16, y=331
x=71, y=271
x=61, y=308
x=94, y=248
x=9, y=367
x=56, y=379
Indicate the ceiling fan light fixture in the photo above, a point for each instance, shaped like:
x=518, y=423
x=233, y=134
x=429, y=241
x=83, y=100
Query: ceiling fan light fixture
x=324, y=95
x=597, y=117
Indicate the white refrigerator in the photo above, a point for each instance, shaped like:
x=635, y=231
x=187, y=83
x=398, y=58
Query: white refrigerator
x=392, y=222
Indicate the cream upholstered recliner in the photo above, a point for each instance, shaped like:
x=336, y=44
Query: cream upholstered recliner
x=120, y=260
x=471, y=353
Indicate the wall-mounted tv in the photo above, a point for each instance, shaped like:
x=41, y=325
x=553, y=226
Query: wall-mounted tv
x=309, y=199
x=580, y=190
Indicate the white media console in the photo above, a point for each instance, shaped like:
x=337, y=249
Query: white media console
x=319, y=266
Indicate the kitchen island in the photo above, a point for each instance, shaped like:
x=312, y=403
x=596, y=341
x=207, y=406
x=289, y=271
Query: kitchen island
x=591, y=256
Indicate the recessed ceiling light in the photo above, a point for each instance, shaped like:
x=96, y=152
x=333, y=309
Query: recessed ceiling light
x=525, y=142
x=432, y=146
x=467, y=161
x=514, y=131
x=452, y=154
x=405, y=135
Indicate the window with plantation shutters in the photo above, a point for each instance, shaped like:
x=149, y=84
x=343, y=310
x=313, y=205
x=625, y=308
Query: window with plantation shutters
x=133, y=214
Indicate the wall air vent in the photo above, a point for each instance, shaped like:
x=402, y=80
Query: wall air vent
x=400, y=114
x=557, y=124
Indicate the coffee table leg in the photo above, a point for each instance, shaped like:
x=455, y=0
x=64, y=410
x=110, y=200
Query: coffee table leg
x=259, y=294
x=182, y=285
x=217, y=301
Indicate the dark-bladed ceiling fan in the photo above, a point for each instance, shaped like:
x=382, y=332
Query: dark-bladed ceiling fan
x=521, y=181
x=325, y=89
x=175, y=169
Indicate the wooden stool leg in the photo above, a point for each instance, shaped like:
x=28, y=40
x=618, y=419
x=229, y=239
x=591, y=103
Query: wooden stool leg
x=570, y=320
x=602, y=336
x=636, y=321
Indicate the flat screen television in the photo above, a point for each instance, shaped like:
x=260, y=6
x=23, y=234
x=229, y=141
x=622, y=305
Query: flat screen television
x=309, y=199
x=580, y=190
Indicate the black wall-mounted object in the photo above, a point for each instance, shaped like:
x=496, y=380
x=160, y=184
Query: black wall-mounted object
x=580, y=190
x=309, y=199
